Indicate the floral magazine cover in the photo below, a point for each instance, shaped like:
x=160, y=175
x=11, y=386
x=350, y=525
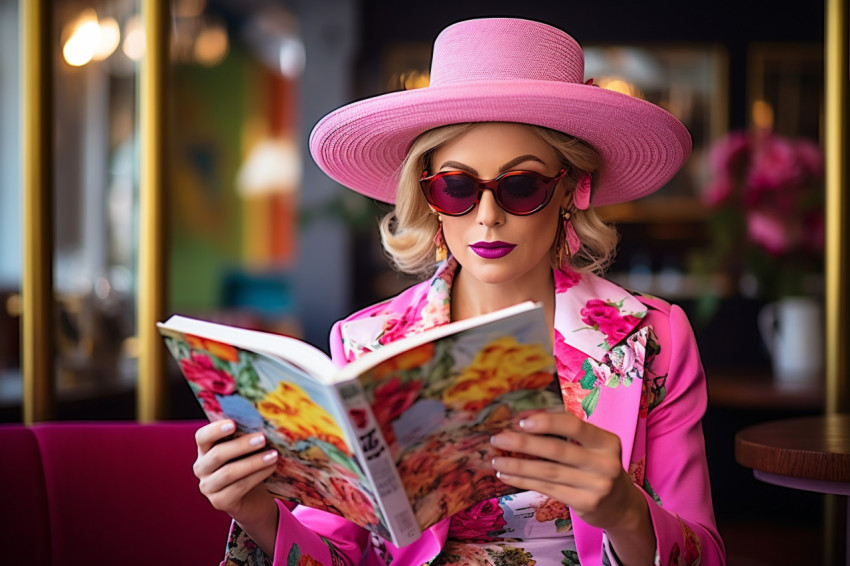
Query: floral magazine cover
x=318, y=467
x=439, y=403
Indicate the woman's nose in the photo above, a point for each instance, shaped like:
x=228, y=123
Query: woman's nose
x=488, y=212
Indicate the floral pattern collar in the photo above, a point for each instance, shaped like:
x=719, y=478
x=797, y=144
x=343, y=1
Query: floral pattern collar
x=592, y=314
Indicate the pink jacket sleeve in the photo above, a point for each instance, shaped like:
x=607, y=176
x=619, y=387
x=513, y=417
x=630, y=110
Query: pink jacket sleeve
x=676, y=468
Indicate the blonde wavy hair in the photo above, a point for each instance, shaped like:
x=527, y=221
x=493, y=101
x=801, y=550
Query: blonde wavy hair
x=408, y=231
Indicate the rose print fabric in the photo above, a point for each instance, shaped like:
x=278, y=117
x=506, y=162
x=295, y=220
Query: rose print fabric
x=626, y=363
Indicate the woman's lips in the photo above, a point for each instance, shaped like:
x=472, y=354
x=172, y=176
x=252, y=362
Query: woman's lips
x=492, y=250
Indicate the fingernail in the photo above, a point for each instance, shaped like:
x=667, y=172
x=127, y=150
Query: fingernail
x=257, y=440
x=496, y=462
x=228, y=427
x=528, y=424
x=270, y=456
x=499, y=441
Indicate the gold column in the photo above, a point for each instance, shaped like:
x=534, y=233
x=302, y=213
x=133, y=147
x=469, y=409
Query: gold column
x=37, y=149
x=836, y=309
x=152, y=238
x=837, y=243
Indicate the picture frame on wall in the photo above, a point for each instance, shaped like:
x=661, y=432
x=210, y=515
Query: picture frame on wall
x=785, y=88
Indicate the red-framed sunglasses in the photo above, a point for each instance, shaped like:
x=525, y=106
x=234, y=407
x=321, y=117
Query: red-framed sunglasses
x=455, y=193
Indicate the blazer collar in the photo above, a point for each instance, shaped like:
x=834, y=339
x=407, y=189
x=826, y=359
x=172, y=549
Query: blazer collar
x=593, y=314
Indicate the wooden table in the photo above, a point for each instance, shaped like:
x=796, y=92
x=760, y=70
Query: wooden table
x=808, y=453
x=754, y=390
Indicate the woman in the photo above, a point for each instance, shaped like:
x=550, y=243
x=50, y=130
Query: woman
x=497, y=163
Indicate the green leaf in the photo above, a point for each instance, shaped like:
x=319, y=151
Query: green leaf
x=562, y=525
x=294, y=556
x=589, y=379
x=570, y=558
x=651, y=492
x=589, y=402
x=248, y=382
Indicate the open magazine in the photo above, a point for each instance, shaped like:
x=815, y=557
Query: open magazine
x=394, y=441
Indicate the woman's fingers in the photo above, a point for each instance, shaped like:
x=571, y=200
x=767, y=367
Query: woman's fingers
x=208, y=435
x=579, y=495
x=546, y=471
x=226, y=450
x=543, y=448
x=567, y=425
x=230, y=470
x=229, y=484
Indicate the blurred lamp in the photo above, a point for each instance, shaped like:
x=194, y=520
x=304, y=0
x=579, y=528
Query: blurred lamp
x=89, y=38
x=273, y=166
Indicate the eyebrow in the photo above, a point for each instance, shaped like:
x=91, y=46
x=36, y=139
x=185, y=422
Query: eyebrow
x=506, y=167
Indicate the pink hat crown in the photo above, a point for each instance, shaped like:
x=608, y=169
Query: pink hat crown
x=505, y=49
x=504, y=70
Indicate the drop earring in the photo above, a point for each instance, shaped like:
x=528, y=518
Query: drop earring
x=440, y=242
x=572, y=244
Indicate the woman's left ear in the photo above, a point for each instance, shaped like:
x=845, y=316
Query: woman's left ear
x=566, y=200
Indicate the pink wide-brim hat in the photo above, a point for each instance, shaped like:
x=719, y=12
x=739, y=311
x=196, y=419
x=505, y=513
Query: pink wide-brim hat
x=504, y=70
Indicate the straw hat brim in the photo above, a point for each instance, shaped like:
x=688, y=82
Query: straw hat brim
x=362, y=145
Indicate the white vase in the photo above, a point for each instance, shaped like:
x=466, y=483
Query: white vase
x=792, y=330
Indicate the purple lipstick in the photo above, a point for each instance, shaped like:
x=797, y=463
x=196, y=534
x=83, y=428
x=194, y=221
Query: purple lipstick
x=492, y=250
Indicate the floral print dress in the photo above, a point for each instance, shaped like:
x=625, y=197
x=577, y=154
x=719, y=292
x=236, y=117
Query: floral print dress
x=527, y=528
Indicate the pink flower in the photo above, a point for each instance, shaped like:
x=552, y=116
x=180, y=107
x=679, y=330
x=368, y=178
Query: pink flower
x=602, y=373
x=200, y=370
x=209, y=403
x=565, y=278
x=811, y=158
x=774, y=167
x=769, y=232
x=769, y=191
x=568, y=360
x=397, y=328
x=729, y=155
x=479, y=522
x=719, y=191
x=391, y=400
x=606, y=318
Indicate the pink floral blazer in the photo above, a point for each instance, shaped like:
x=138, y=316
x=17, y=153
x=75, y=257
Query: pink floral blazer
x=627, y=363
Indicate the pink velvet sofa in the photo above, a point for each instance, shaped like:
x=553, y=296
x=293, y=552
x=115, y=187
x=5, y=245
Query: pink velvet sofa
x=105, y=493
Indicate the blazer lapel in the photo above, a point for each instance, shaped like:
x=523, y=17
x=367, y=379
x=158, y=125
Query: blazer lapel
x=599, y=322
x=598, y=318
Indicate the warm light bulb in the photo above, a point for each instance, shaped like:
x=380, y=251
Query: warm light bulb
x=211, y=46
x=134, y=39
x=83, y=39
x=762, y=113
x=110, y=37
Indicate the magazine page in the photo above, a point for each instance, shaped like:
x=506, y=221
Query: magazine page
x=439, y=403
x=307, y=357
x=301, y=418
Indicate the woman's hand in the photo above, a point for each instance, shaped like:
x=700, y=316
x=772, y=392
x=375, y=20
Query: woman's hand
x=578, y=464
x=231, y=472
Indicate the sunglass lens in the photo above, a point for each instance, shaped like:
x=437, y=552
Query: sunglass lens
x=453, y=194
x=522, y=193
